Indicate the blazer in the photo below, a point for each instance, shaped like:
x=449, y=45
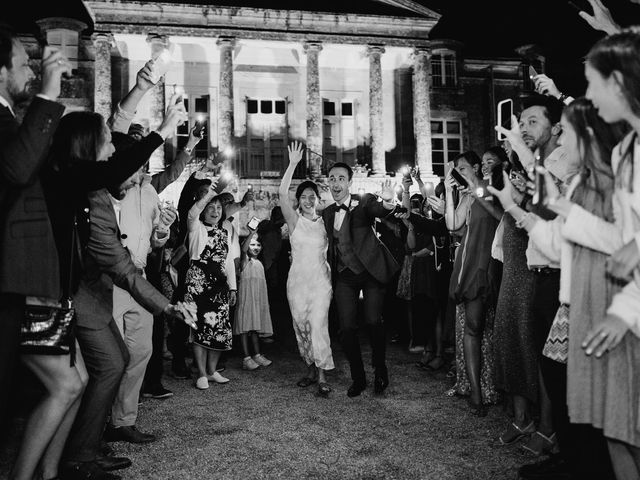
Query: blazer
x=375, y=257
x=28, y=257
x=106, y=263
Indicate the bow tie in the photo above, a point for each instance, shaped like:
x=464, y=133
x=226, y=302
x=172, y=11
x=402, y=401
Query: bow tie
x=343, y=207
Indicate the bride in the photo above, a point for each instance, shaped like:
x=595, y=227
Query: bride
x=309, y=282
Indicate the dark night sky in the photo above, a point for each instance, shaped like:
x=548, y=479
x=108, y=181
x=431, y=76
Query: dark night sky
x=496, y=27
x=487, y=28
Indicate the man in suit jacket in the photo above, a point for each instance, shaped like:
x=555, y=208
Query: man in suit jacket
x=106, y=263
x=359, y=262
x=28, y=256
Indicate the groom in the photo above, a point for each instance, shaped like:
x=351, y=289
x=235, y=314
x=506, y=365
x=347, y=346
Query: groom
x=359, y=263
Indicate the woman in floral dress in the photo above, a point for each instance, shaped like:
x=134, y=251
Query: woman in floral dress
x=211, y=284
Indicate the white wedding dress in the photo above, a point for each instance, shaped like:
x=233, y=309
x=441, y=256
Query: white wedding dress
x=309, y=291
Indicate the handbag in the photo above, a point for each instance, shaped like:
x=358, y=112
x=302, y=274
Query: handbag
x=557, y=345
x=49, y=328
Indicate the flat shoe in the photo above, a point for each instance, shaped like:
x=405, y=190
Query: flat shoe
x=306, y=381
x=477, y=409
x=324, y=389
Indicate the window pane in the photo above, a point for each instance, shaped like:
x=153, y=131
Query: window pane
x=436, y=127
x=453, y=127
x=280, y=106
x=453, y=144
x=183, y=129
x=452, y=155
x=438, y=169
x=437, y=144
x=186, y=104
x=329, y=108
x=437, y=158
x=347, y=109
x=252, y=106
x=266, y=106
x=202, y=104
x=450, y=71
x=436, y=71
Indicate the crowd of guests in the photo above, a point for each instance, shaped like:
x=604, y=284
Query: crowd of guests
x=524, y=262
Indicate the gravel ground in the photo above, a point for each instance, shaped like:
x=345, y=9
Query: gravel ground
x=262, y=426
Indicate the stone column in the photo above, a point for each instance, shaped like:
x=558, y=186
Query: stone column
x=378, y=165
x=314, y=109
x=225, y=93
x=422, y=110
x=102, y=69
x=158, y=43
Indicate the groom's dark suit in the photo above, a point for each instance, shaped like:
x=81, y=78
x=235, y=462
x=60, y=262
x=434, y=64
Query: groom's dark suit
x=359, y=262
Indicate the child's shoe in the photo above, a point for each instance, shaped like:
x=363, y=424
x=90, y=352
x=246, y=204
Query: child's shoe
x=249, y=364
x=202, y=383
x=262, y=361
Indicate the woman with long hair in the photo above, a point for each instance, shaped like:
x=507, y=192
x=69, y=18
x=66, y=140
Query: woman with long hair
x=309, y=283
x=472, y=283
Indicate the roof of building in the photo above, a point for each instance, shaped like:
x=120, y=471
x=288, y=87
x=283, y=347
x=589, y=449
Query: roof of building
x=395, y=8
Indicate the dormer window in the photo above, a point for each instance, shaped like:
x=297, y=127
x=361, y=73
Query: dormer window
x=443, y=69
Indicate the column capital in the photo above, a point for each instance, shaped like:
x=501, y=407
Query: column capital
x=375, y=50
x=158, y=39
x=312, y=46
x=422, y=50
x=225, y=41
x=102, y=37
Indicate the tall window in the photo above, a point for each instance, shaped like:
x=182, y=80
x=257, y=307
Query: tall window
x=443, y=69
x=339, y=131
x=446, y=143
x=197, y=107
x=66, y=41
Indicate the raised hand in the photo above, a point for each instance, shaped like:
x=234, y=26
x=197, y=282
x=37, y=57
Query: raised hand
x=168, y=215
x=54, y=64
x=144, y=77
x=388, y=192
x=546, y=86
x=176, y=115
x=436, y=204
x=247, y=197
x=601, y=18
x=295, y=153
x=514, y=136
x=506, y=194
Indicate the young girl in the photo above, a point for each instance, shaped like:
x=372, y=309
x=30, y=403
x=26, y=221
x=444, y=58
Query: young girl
x=252, y=311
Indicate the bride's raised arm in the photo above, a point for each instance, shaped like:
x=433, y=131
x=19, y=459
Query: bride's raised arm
x=289, y=213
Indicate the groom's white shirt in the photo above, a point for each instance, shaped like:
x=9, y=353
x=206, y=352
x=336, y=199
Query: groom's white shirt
x=340, y=214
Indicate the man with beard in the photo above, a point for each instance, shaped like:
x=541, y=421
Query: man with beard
x=28, y=255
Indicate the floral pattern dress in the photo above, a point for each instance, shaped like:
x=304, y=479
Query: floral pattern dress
x=206, y=285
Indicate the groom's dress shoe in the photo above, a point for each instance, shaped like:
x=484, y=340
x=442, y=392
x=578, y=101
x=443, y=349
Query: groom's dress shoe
x=108, y=463
x=356, y=389
x=381, y=381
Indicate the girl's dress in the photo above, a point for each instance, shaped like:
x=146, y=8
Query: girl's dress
x=207, y=286
x=309, y=292
x=252, y=310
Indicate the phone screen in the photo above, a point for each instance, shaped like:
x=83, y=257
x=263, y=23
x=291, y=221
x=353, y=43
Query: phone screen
x=505, y=111
x=253, y=223
x=532, y=72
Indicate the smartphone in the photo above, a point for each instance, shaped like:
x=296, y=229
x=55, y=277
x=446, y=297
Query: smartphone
x=253, y=223
x=532, y=72
x=505, y=112
x=460, y=180
x=249, y=187
x=497, y=180
x=539, y=193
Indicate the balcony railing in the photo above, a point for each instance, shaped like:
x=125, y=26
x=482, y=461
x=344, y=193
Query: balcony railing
x=253, y=166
